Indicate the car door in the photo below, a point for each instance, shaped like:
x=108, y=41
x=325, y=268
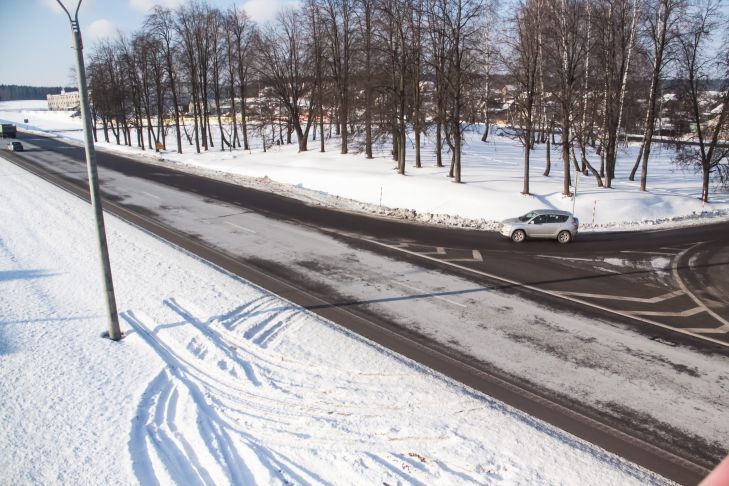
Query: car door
x=552, y=226
x=536, y=227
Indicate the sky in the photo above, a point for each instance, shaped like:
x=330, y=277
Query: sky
x=40, y=35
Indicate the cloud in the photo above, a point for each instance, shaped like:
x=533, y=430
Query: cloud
x=263, y=11
x=146, y=5
x=52, y=5
x=99, y=29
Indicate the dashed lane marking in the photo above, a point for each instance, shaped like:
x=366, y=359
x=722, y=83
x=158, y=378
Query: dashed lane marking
x=557, y=257
x=150, y=195
x=429, y=292
x=239, y=227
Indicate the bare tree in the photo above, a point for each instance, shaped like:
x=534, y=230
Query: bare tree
x=340, y=28
x=616, y=21
x=709, y=114
x=523, y=64
x=660, y=27
x=284, y=65
x=366, y=11
x=244, y=33
x=160, y=23
x=185, y=26
x=459, y=22
x=566, y=48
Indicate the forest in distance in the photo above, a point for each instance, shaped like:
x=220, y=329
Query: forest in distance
x=12, y=92
x=574, y=77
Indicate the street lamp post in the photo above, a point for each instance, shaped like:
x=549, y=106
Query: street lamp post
x=114, y=331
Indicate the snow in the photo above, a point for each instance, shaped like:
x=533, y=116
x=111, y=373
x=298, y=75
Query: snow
x=492, y=174
x=219, y=381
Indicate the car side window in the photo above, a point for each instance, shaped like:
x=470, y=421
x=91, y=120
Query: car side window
x=557, y=218
x=540, y=219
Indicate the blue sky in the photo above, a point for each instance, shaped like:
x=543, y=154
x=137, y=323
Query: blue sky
x=40, y=37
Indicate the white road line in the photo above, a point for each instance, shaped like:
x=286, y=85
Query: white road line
x=429, y=292
x=649, y=252
x=671, y=248
x=648, y=300
x=439, y=250
x=150, y=195
x=477, y=257
x=682, y=285
x=687, y=313
x=239, y=227
x=710, y=330
x=557, y=257
x=680, y=330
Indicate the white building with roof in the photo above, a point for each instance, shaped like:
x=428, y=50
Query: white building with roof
x=64, y=101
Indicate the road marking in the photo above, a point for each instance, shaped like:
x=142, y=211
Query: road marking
x=671, y=248
x=150, y=195
x=680, y=330
x=439, y=250
x=649, y=300
x=557, y=257
x=649, y=252
x=687, y=313
x=239, y=227
x=429, y=292
x=710, y=330
x=682, y=285
x=477, y=257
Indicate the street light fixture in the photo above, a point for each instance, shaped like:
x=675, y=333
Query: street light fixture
x=114, y=331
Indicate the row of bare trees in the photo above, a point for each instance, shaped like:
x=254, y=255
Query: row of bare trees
x=390, y=71
x=374, y=70
x=578, y=63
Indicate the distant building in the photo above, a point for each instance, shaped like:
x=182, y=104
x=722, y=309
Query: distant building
x=64, y=101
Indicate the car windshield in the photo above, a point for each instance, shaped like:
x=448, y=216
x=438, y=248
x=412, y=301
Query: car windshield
x=527, y=216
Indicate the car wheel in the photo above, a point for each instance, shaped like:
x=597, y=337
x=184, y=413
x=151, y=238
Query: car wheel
x=564, y=236
x=518, y=236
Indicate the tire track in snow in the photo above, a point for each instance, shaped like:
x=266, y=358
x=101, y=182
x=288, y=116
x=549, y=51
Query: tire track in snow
x=158, y=437
x=240, y=425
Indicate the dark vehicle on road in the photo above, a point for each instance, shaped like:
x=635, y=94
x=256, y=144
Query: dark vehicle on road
x=541, y=223
x=8, y=130
x=15, y=147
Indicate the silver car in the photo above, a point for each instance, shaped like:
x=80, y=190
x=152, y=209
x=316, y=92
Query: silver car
x=541, y=223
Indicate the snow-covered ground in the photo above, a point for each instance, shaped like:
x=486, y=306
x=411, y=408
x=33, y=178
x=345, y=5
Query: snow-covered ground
x=218, y=381
x=492, y=173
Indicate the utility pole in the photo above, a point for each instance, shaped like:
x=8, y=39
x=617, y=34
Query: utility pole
x=114, y=331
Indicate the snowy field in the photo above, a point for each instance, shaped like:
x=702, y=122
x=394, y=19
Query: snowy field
x=218, y=381
x=492, y=173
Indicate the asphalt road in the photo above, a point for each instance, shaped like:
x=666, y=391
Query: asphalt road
x=667, y=285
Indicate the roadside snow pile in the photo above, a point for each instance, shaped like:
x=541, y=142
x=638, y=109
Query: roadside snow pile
x=492, y=174
x=218, y=381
